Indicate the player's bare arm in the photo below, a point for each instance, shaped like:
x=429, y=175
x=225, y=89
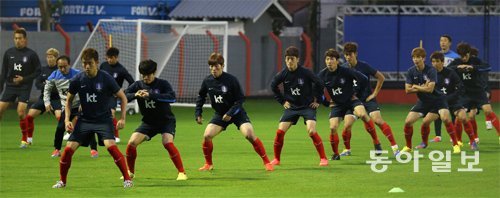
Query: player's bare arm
x=121, y=95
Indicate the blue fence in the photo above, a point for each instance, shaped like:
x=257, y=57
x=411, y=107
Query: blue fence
x=386, y=41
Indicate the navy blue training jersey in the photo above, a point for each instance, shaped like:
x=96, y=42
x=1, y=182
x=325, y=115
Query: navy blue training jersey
x=156, y=108
x=366, y=70
x=46, y=71
x=300, y=87
x=473, y=80
x=95, y=94
x=415, y=77
x=340, y=83
x=23, y=62
x=449, y=83
x=225, y=95
x=118, y=72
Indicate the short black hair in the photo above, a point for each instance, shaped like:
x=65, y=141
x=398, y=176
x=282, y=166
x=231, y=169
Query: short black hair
x=463, y=49
x=332, y=53
x=64, y=57
x=20, y=31
x=292, y=51
x=447, y=36
x=112, y=51
x=437, y=55
x=147, y=67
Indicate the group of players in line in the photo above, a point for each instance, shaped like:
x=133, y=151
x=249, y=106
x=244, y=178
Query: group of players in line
x=84, y=98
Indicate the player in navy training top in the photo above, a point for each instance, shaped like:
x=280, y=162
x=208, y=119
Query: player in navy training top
x=421, y=79
x=474, y=52
x=20, y=67
x=227, y=99
x=471, y=69
x=119, y=73
x=302, y=92
x=38, y=107
x=154, y=96
x=94, y=88
x=369, y=99
x=451, y=86
x=339, y=83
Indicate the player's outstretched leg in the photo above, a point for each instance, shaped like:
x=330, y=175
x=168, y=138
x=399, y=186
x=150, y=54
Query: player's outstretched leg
x=131, y=153
x=334, y=142
x=261, y=151
x=120, y=162
x=175, y=156
x=279, y=140
x=207, y=147
x=318, y=143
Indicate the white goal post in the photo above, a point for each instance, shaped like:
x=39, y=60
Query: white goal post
x=181, y=49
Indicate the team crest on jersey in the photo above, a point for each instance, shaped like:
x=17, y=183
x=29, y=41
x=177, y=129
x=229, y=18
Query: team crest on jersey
x=301, y=81
x=447, y=81
x=115, y=75
x=426, y=78
x=224, y=89
x=342, y=80
x=25, y=59
x=156, y=91
x=98, y=86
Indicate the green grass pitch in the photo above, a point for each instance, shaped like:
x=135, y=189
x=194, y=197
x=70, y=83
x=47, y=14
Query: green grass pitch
x=238, y=170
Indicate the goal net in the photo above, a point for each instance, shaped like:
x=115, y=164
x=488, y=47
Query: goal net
x=181, y=49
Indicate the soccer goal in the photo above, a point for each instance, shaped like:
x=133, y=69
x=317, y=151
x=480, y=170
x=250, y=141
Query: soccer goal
x=181, y=49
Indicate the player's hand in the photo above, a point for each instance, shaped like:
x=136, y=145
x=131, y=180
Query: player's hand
x=68, y=125
x=314, y=105
x=354, y=97
x=17, y=79
x=370, y=97
x=226, y=118
x=287, y=105
x=49, y=109
x=199, y=120
x=120, y=124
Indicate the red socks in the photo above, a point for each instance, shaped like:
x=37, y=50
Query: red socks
x=65, y=163
x=370, y=128
x=425, y=130
x=458, y=129
x=451, y=131
x=408, y=134
x=334, y=141
x=208, y=147
x=131, y=153
x=119, y=161
x=175, y=156
x=387, y=131
x=278, y=143
x=116, y=130
x=30, y=125
x=474, y=126
x=24, y=129
x=494, y=120
x=346, y=135
x=318, y=143
x=469, y=131
x=259, y=148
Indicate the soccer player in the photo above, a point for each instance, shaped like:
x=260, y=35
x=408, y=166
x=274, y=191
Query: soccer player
x=119, y=73
x=339, y=83
x=449, y=55
x=227, y=100
x=20, y=67
x=451, y=86
x=95, y=89
x=474, y=52
x=368, y=98
x=471, y=70
x=302, y=92
x=154, y=96
x=38, y=108
x=59, y=81
x=421, y=79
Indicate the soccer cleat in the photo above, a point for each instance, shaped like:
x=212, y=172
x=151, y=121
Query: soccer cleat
x=94, y=153
x=128, y=184
x=182, y=177
x=489, y=125
x=421, y=146
x=473, y=146
x=130, y=174
x=456, y=149
x=275, y=162
x=59, y=184
x=406, y=149
x=476, y=140
x=378, y=149
x=56, y=153
x=117, y=140
x=269, y=167
x=335, y=157
x=346, y=152
x=395, y=150
x=23, y=145
x=436, y=139
x=459, y=143
x=66, y=136
x=206, y=167
x=323, y=162
x=29, y=140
